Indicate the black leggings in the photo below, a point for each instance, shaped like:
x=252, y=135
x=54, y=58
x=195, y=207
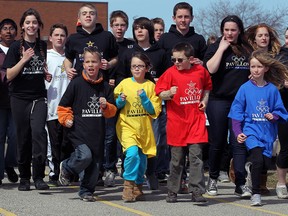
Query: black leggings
x=282, y=159
x=260, y=163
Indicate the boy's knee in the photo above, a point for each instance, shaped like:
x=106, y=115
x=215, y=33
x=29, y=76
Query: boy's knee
x=84, y=154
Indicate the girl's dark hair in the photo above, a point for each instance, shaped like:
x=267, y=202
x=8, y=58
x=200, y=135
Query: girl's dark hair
x=143, y=57
x=31, y=12
x=144, y=22
x=242, y=46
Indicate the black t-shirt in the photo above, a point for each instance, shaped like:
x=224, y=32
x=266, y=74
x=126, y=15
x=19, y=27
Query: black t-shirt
x=29, y=84
x=231, y=74
x=89, y=123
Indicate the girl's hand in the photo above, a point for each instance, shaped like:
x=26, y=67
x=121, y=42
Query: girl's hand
x=224, y=44
x=103, y=102
x=269, y=116
x=69, y=123
x=123, y=96
x=241, y=138
x=27, y=54
x=139, y=92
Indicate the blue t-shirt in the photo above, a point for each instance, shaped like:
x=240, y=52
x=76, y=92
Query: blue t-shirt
x=249, y=106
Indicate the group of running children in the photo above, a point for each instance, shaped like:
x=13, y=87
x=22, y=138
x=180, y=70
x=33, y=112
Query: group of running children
x=82, y=94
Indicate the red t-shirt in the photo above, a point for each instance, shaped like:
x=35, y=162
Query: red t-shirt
x=185, y=122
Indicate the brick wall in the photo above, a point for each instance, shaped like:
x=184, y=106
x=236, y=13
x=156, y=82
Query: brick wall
x=51, y=12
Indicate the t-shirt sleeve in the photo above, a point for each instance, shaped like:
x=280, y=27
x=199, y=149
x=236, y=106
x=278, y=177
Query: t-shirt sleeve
x=163, y=83
x=12, y=57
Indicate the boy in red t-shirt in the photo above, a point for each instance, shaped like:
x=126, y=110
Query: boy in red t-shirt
x=185, y=86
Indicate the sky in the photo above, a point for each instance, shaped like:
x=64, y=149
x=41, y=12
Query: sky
x=164, y=8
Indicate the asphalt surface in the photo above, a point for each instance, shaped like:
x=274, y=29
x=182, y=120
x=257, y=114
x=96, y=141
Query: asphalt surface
x=65, y=201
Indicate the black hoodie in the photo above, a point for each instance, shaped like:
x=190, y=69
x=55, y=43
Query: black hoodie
x=283, y=54
x=103, y=40
x=170, y=39
x=156, y=55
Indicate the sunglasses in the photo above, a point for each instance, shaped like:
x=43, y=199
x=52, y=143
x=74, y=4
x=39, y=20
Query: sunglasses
x=180, y=60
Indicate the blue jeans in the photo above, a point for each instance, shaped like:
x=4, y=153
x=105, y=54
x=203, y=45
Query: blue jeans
x=217, y=113
x=82, y=160
x=135, y=164
x=110, y=155
x=7, y=129
x=160, y=163
x=163, y=152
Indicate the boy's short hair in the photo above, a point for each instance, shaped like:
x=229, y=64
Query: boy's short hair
x=58, y=25
x=147, y=24
x=91, y=6
x=121, y=14
x=159, y=21
x=182, y=5
x=8, y=21
x=92, y=50
x=184, y=46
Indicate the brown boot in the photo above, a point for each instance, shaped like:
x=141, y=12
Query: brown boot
x=263, y=182
x=138, y=193
x=128, y=195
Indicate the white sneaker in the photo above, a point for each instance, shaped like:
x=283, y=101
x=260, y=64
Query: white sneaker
x=281, y=191
x=110, y=179
x=223, y=177
x=256, y=200
x=248, y=178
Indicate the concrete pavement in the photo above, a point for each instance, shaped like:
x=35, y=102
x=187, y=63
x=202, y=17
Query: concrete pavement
x=65, y=201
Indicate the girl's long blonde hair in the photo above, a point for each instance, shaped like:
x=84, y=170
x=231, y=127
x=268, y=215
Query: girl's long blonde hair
x=277, y=73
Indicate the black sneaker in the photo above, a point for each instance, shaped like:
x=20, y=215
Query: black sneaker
x=40, y=184
x=100, y=181
x=0, y=182
x=243, y=191
x=88, y=198
x=198, y=198
x=24, y=185
x=52, y=182
x=152, y=182
x=11, y=174
x=171, y=197
x=162, y=177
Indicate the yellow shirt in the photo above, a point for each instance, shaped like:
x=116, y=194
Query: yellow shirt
x=134, y=124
